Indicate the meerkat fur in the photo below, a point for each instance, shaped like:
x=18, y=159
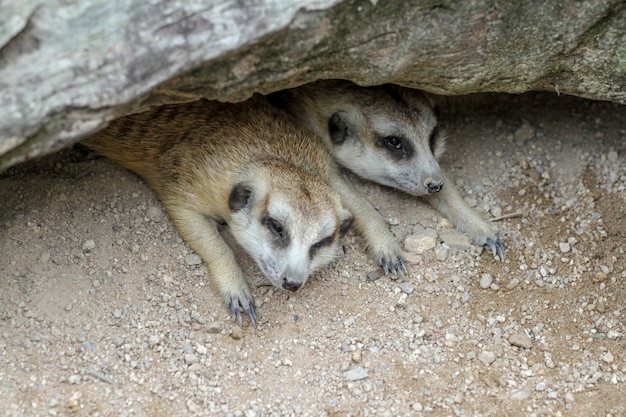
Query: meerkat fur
x=389, y=135
x=243, y=165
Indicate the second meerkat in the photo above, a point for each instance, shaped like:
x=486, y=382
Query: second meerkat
x=246, y=164
x=389, y=135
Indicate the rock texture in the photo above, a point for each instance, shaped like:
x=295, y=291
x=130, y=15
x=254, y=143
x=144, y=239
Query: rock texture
x=68, y=67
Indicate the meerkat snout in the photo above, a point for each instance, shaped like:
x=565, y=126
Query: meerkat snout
x=291, y=285
x=433, y=186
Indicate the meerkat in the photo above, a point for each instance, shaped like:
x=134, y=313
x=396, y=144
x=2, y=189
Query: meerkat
x=389, y=135
x=248, y=166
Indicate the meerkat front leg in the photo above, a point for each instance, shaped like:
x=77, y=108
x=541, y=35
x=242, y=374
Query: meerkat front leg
x=201, y=233
x=450, y=203
x=381, y=243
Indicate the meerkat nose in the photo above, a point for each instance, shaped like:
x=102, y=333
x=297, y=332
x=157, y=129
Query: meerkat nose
x=290, y=285
x=433, y=186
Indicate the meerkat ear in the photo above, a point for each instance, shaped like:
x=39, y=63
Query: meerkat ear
x=340, y=127
x=240, y=197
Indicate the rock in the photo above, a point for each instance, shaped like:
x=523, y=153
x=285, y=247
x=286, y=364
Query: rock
x=524, y=133
x=89, y=245
x=356, y=374
x=193, y=259
x=485, y=281
x=406, y=288
x=267, y=46
x=520, y=340
x=487, y=357
x=520, y=395
x=455, y=240
x=607, y=357
x=412, y=258
x=419, y=244
x=564, y=247
x=375, y=274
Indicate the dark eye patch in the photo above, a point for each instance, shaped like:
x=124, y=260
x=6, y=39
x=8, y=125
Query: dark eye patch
x=397, y=146
x=327, y=241
x=434, y=135
x=279, y=232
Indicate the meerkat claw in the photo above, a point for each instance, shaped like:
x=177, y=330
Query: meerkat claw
x=394, y=268
x=496, y=247
x=235, y=312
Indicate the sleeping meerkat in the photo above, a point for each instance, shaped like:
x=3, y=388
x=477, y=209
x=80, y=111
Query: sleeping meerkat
x=389, y=135
x=249, y=166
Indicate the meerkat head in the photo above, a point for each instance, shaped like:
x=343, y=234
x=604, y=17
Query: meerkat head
x=289, y=222
x=386, y=134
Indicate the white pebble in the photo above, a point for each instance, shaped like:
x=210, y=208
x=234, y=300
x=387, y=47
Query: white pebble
x=485, y=281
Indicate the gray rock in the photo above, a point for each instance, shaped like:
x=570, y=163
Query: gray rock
x=193, y=259
x=406, y=288
x=485, y=281
x=356, y=374
x=520, y=340
x=487, y=357
x=520, y=395
x=246, y=56
x=455, y=240
x=419, y=243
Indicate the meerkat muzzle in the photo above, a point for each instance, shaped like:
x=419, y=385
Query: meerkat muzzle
x=433, y=186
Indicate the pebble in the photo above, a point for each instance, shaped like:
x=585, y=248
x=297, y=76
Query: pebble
x=193, y=259
x=375, y=274
x=607, y=357
x=419, y=244
x=455, y=240
x=564, y=247
x=357, y=356
x=417, y=407
x=485, y=281
x=406, y=288
x=520, y=395
x=520, y=340
x=524, y=133
x=541, y=386
x=356, y=374
x=412, y=258
x=89, y=245
x=237, y=333
x=487, y=357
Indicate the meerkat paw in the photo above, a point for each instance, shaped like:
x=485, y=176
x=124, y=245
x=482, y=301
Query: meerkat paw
x=238, y=302
x=390, y=258
x=495, y=246
x=484, y=236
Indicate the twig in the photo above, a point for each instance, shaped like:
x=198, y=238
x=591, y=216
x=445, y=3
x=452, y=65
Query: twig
x=100, y=376
x=508, y=216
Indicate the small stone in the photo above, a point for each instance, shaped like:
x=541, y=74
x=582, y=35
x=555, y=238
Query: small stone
x=607, y=357
x=524, y=133
x=541, y=386
x=357, y=356
x=190, y=358
x=154, y=214
x=485, y=281
x=520, y=395
x=564, y=247
x=193, y=259
x=520, y=340
x=441, y=253
x=406, y=288
x=35, y=336
x=375, y=274
x=89, y=245
x=74, y=379
x=393, y=221
x=419, y=244
x=412, y=258
x=487, y=357
x=356, y=374
x=569, y=397
x=417, y=407
x=237, y=333
x=455, y=240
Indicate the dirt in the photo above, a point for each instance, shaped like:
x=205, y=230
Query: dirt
x=103, y=312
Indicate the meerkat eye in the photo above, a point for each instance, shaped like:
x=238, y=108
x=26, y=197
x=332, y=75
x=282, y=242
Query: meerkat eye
x=393, y=142
x=277, y=230
x=319, y=245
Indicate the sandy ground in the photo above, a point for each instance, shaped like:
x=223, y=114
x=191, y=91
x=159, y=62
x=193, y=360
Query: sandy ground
x=104, y=311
